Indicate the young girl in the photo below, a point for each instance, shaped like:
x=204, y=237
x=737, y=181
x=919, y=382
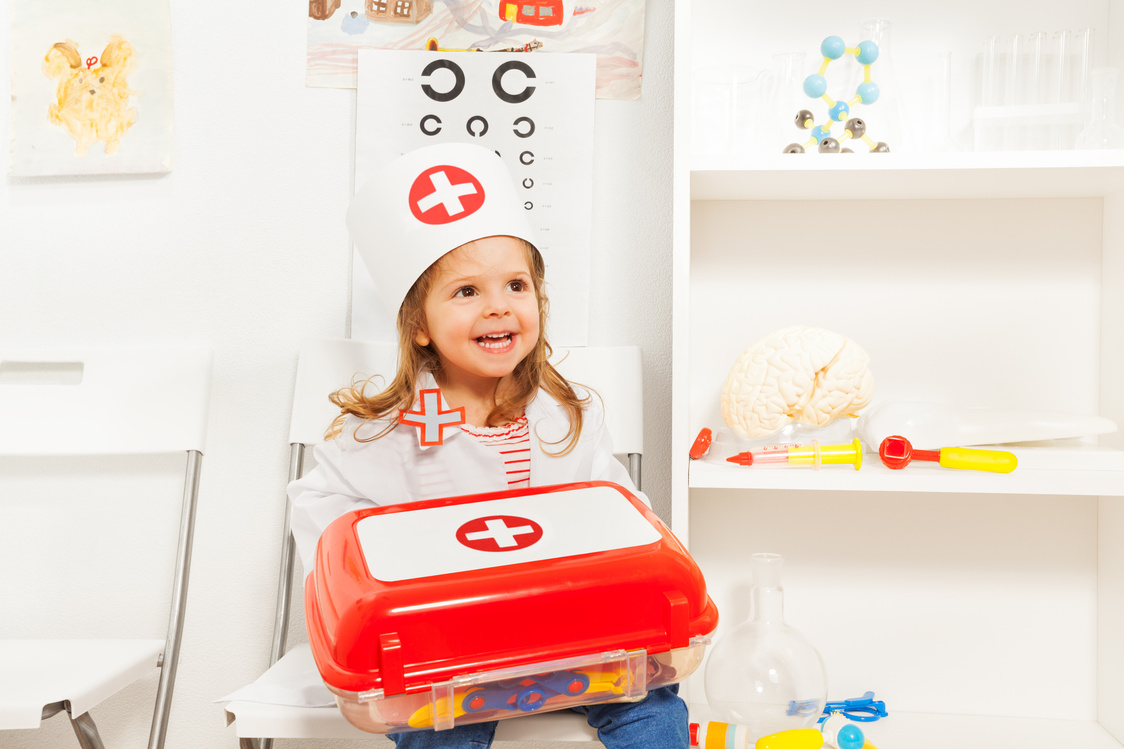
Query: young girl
x=475, y=405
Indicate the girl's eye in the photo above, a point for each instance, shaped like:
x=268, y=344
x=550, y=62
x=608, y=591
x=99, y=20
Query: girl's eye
x=465, y=291
x=517, y=286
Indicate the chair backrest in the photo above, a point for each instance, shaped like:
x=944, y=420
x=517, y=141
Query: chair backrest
x=100, y=401
x=116, y=401
x=325, y=366
x=616, y=373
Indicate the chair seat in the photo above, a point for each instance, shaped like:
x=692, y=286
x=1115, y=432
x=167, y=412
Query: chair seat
x=289, y=681
x=37, y=673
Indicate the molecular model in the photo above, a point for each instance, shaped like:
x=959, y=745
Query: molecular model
x=815, y=86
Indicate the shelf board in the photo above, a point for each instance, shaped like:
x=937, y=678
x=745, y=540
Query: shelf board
x=1062, y=472
x=902, y=730
x=1030, y=174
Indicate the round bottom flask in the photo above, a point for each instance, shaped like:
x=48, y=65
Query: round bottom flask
x=1101, y=130
x=763, y=673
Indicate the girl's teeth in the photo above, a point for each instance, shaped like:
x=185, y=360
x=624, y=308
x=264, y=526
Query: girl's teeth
x=494, y=341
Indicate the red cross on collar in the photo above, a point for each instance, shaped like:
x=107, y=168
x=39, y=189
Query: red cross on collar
x=431, y=418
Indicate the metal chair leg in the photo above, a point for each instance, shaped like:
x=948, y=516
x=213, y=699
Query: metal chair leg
x=86, y=732
x=53, y=709
x=244, y=743
x=170, y=658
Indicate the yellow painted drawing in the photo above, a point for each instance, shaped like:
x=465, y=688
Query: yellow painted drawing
x=93, y=94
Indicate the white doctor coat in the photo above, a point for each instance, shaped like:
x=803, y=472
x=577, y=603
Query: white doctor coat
x=351, y=475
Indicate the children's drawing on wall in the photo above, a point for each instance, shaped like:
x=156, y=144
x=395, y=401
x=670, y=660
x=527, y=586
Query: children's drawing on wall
x=611, y=29
x=91, y=87
x=93, y=94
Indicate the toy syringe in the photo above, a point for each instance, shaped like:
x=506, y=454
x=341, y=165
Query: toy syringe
x=803, y=456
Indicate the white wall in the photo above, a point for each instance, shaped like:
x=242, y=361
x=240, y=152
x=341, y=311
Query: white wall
x=243, y=246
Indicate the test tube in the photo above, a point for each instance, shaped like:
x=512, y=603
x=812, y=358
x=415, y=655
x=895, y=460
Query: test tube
x=985, y=131
x=1058, y=88
x=944, y=140
x=1082, y=43
x=1012, y=92
x=1033, y=87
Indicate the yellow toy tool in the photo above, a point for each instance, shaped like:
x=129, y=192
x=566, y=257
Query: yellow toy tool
x=798, y=738
x=896, y=452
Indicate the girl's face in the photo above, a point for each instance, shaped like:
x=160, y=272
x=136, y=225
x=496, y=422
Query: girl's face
x=482, y=311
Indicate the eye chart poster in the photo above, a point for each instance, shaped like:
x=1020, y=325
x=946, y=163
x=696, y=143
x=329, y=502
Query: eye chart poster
x=535, y=111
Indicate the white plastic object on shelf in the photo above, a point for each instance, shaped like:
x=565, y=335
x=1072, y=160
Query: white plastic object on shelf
x=928, y=425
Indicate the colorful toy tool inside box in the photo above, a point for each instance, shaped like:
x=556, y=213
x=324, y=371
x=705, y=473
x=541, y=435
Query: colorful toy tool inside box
x=460, y=610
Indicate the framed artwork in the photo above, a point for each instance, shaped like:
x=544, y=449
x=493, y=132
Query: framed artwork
x=91, y=87
x=613, y=30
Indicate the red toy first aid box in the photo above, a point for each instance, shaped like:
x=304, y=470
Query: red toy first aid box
x=440, y=612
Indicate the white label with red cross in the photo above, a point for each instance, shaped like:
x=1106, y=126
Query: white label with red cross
x=481, y=535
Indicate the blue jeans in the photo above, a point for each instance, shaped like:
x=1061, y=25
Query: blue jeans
x=659, y=721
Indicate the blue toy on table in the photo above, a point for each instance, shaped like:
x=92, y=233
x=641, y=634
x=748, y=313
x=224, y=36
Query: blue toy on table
x=863, y=709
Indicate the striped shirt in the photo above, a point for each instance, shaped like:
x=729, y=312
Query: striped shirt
x=513, y=443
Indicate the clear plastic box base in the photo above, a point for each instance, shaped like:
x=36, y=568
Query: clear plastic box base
x=614, y=676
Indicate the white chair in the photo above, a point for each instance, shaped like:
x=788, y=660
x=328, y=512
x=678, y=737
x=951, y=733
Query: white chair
x=57, y=407
x=325, y=366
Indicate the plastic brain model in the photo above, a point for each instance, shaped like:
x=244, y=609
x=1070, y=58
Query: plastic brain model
x=802, y=374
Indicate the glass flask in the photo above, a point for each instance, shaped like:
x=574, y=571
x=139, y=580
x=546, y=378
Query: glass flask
x=886, y=119
x=1101, y=130
x=725, y=109
x=786, y=98
x=763, y=673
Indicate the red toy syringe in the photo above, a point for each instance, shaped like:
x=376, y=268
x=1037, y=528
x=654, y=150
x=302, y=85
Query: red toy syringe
x=803, y=456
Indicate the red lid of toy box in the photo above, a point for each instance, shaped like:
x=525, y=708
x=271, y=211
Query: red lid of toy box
x=404, y=596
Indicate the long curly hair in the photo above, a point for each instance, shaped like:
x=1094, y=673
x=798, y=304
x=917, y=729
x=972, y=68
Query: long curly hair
x=534, y=372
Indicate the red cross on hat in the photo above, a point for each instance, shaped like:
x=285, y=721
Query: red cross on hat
x=443, y=194
x=431, y=420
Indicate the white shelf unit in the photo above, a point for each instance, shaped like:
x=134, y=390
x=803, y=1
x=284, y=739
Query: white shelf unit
x=1072, y=472
x=985, y=610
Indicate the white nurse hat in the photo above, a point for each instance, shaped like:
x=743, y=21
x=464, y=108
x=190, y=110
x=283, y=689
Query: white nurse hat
x=426, y=203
